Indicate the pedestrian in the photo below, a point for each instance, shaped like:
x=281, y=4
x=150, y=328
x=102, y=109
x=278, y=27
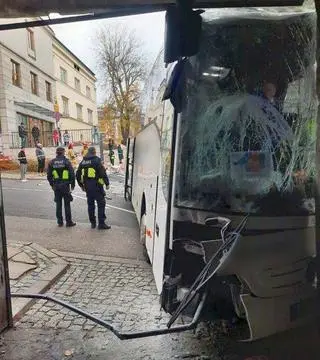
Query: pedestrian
x=120, y=153
x=22, y=134
x=110, y=144
x=60, y=136
x=23, y=164
x=71, y=156
x=61, y=177
x=41, y=157
x=84, y=150
x=95, y=135
x=55, y=137
x=111, y=156
x=91, y=177
x=66, y=138
x=35, y=131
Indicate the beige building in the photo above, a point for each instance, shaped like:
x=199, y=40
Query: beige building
x=27, y=84
x=75, y=93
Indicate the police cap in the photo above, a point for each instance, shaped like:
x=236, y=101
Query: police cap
x=92, y=150
x=60, y=150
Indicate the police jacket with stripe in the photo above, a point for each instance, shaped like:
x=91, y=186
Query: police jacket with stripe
x=60, y=172
x=91, y=174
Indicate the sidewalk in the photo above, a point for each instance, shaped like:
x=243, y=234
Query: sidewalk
x=15, y=175
x=32, y=269
x=120, y=291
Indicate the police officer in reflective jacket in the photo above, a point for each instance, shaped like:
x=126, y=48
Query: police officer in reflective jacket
x=91, y=177
x=61, y=176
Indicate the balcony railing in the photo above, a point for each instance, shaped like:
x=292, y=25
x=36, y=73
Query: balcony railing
x=77, y=137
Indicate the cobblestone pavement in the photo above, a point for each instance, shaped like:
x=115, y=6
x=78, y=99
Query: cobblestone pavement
x=33, y=269
x=121, y=293
x=114, y=291
x=43, y=265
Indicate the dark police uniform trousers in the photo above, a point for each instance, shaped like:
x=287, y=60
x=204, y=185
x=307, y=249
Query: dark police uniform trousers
x=61, y=176
x=95, y=192
x=62, y=192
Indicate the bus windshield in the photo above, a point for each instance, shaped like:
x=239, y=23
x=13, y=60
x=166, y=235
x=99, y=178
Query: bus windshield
x=247, y=131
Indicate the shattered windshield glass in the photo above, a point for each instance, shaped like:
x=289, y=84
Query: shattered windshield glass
x=248, y=130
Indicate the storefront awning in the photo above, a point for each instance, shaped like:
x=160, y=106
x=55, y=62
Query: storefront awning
x=36, y=109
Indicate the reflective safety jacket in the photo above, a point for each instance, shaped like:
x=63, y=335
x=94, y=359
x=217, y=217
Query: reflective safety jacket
x=91, y=173
x=60, y=171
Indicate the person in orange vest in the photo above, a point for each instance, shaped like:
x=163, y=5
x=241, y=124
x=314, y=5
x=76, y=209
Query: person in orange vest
x=84, y=150
x=71, y=156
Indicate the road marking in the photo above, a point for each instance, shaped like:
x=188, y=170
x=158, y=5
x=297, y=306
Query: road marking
x=107, y=205
x=77, y=196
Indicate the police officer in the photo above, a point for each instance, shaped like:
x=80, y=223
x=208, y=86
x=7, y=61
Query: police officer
x=91, y=177
x=61, y=176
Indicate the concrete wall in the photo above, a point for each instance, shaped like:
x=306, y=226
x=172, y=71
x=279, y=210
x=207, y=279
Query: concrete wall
x=17, y=41
x=63, y=58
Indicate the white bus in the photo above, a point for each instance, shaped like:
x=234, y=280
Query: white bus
x=222, y=175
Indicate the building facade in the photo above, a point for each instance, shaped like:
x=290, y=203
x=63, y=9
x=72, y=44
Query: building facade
x=75, y=94
x=27, y=84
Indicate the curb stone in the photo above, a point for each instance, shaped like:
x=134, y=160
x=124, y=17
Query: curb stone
x=21, y=305
x=71, y=255
x=16, y=176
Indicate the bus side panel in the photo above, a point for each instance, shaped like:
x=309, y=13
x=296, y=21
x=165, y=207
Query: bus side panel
x=163, y=195
x=160, y=238
x=146, y=171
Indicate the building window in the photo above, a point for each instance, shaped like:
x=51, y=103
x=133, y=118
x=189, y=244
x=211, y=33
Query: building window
x=90, y=116
x=16, y=73
x=88, y=92
x=34, y=83
x=77, y=84
x=63, y=75
x=31, y=42
x=65, y=106
x=76, y=67
x=79, y=111
x=48, y=91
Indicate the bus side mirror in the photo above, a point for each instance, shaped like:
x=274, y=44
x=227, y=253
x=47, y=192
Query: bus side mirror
x=182, y=33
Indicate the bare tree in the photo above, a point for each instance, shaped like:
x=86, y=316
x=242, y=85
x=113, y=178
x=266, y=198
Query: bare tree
x=122, y=64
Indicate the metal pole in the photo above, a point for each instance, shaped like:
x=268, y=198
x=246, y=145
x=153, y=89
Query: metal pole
x=120, y=335
x=101, y=147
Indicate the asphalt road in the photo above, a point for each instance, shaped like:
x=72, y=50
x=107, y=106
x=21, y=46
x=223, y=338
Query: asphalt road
x=34, y=199
x=30, y=216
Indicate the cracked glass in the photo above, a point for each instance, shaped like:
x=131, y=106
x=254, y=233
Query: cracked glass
x=248, y=127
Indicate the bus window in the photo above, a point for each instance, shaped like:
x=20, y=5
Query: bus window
x=241, y=149
x=166, y=147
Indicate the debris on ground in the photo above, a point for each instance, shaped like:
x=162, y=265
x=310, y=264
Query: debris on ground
x=69, y=352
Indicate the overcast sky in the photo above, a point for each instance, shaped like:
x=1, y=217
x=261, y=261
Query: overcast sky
x=78, y=37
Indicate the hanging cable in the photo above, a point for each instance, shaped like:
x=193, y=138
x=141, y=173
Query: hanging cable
x=202, y=278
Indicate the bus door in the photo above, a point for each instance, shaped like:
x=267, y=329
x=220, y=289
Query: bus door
x=129, y=169
x=162, y=217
